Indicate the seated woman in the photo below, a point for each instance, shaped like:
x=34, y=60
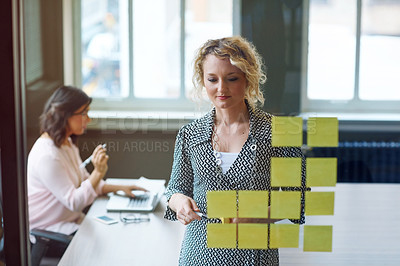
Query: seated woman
x=58, y=188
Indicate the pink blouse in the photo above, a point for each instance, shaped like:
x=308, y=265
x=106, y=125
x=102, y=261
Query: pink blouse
x=58, y=190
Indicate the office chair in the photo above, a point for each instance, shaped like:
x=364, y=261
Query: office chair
x=46, y=239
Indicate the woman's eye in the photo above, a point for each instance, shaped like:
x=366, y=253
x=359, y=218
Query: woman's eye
x=233, y=79
x=212, y=80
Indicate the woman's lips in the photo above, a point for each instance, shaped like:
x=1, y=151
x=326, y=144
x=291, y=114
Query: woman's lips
x=222, y=97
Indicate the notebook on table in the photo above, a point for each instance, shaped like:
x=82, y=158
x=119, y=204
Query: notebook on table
x=142, y=203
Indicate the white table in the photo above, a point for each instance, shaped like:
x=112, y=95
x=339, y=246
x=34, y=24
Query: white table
x=366, y=231
x=149, y=243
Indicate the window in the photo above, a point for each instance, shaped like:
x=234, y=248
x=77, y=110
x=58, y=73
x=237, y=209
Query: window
x=33, y=34
x=42, y=44
x=138, y=54
x=352, y=59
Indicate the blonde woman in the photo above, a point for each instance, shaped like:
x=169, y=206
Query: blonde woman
x=227, y=149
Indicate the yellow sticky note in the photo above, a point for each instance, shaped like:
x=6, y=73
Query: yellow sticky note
x=322, y=132
x=318, y=238
x=321, y=172
x=287, y=131
x=285, y=172
x=253, y=204
x=221, y=235
x=221, y=204
x=285, y=204
x=319, y=203
x=253, y=236
x=284, y=236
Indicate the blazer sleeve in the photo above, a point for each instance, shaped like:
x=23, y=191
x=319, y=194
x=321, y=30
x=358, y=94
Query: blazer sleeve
x=181, y=180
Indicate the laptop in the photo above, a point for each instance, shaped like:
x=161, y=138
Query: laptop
x=146, y=202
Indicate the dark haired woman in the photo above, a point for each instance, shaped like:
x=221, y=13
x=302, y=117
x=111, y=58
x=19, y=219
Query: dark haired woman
x=58, y=189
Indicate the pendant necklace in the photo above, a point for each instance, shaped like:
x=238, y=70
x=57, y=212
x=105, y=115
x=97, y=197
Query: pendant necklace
x=217, y=154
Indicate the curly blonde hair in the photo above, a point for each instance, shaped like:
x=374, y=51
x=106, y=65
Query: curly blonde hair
x=241, y=54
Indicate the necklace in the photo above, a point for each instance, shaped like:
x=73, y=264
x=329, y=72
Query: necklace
x=215, y=145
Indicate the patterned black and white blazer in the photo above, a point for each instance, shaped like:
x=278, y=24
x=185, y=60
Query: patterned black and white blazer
x=194, y=172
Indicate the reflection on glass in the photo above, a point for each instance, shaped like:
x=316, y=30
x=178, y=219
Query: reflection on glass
x=380, y=53
x=207, y=19
x=331, y=51
x=104, y=28
x=156, y=49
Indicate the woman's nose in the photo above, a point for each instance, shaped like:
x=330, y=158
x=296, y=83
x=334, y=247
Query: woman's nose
x=221, y=86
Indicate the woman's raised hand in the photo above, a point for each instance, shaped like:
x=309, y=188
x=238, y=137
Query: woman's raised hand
x=100, y=159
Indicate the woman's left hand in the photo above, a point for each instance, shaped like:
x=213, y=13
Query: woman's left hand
x=99, y=160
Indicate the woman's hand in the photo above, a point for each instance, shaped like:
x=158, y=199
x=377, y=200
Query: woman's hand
x=128, y=190
x=99, y=160
x=185, y=208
